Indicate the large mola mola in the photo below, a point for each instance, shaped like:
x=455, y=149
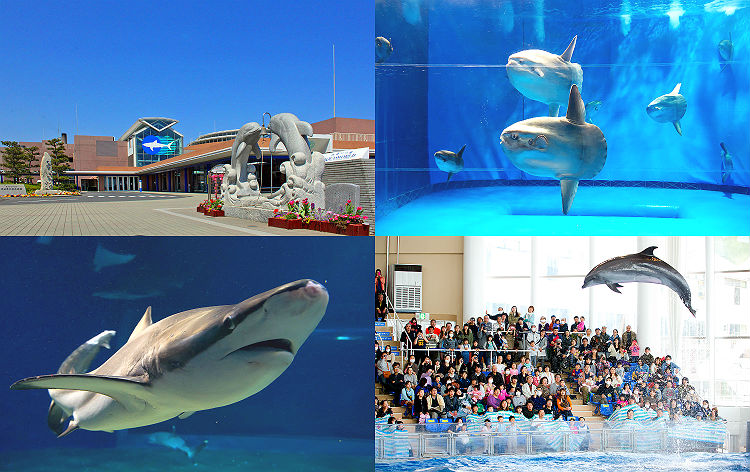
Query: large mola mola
x=669, y=108
x=641, y=267
x=194, y=360
x=450, y=162
x=545, y=77
x=566, y=148
x=726, y=52
x=383, y=49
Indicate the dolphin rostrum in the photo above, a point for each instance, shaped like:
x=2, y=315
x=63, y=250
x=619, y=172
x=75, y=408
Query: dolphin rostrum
x=194, y=360
x=566, y=148
x=668, y=108
x=727, y=166
x=450, y=162
x=545, y=77
x=383, y=49
x=641, y=267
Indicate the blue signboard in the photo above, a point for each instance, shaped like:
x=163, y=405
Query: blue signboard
x=157, y=144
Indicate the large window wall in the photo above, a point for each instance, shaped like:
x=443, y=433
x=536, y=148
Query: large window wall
x=712, y=349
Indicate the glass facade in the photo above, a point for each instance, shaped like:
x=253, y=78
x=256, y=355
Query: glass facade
x=155, y=143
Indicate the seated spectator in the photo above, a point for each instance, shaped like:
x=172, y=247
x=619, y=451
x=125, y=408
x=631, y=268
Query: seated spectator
x=517, y=398
x=564, y=405
x=421, y=411
x=538, y=400
x=383, y=368
x=381, y=310
x=549, y=408
x=435, y=404
x=634, y=349
x=410, y=376
x=384, y=410
x=407, y=398
x=529, y=411
x=379, y=282
x=452, y=404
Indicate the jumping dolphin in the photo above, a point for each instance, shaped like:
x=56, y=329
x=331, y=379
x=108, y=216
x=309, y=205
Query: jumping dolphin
x=642, y=267
x=669, y=108
x=450, y=162
x=173, y=441
x=545, y=77
x=194, y=360
x=727, y=166
x=383, y=49
x=566, y=148
x=726, y=51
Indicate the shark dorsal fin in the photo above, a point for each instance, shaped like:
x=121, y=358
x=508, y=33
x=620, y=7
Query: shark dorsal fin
x=568, y=54
x=576, y=109
x=649, y=251
x=143, y=324
x=461, y=151
x=676, y=89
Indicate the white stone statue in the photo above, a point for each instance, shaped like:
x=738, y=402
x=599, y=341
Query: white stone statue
x=45, y=175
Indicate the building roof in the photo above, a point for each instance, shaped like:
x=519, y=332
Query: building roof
x=344, y=125
x=157, y=123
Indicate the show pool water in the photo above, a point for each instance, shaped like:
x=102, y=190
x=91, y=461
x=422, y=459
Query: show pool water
x=599, y=461
x=536, y=210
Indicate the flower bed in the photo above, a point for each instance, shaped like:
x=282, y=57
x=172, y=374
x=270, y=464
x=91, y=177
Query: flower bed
x=304, y=215
x=211, y=207
x=33, y=195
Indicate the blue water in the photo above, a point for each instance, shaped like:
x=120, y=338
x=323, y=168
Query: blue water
x=611, y=462
x=445, y=86
x=59, y=292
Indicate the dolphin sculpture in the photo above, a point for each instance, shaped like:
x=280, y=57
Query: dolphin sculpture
x=246, y=140
x=566, y=148
x=727, y=166
x=726, y=52
x=668, y=108
x=641, y=267
x=383, y=49
x=173, y=441
x=545, y=77
x=450, y=162
x=191, y=361
x=292, y=132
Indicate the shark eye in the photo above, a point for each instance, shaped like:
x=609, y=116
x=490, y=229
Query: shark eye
x=229, y=323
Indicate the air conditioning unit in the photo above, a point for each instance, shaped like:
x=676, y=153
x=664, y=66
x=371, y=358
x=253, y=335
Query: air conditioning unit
x=406, y=287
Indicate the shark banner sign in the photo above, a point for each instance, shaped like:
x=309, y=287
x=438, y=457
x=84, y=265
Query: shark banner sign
x=361, y=153
x=157, y=144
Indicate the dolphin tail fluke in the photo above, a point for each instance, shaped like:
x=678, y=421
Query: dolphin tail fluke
x=678, y=127
x=615, y=287
x=56, y=418
x=554, y=109
x=568, y=189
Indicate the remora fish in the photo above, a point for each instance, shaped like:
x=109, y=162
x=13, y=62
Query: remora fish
x=641, y=267
x=591, y=108
x=669, y=108
x=566, y=148
x=726, y=51
x=727, y=166
x=173, y=441
x=195, y=360
x=545, y=77
x=383, y=49
x=450, y=162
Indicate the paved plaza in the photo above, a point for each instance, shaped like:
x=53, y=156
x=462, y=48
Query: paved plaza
x=124, y=214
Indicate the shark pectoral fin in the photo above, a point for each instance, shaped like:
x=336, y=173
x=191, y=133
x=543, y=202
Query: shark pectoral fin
x=568, y=189
x=143, y=324
x=131, y=392
x=568, y=54
x=554, y=109
x=185, y=414
x=56, y=418
x=576, y=109
x=677, y=127
x=72, y=426
x=614, y=287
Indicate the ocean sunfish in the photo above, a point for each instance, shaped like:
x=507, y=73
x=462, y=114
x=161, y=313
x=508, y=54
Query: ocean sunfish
x=173, y=441
x=450, y=162
x=383, y=49
x=669, y=108
x=726, y=51
x=727, y=166
x=545, y=77
x=641, y=267
x=565, y=148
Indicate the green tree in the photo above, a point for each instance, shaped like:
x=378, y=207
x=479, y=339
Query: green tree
x=14, y=160
x=32, y=159
x=60, y=163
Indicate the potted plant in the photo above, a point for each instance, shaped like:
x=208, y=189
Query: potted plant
x=214, y=208
x=354, y=220
x=288, y=220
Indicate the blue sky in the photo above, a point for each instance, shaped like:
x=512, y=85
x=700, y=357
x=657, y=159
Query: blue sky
x=210, y=65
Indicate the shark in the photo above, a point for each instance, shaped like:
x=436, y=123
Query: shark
x=545, y=77
x=726, y=51
x=565, y=148
x=643, y=267
x=727, y=166
x=383, y=49
x=191, y=361
x=450, y=162
x=156, y=145
x=173, y=441
x=669, y=108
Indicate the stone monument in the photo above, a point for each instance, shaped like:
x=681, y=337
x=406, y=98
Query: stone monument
x=45, y=175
